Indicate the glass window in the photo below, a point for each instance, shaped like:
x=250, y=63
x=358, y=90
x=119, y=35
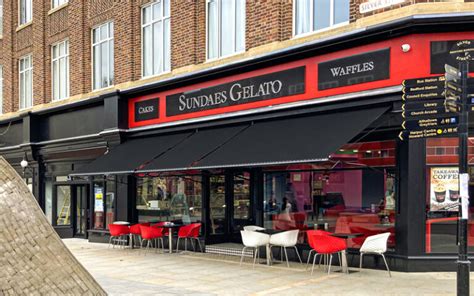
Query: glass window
x=156, y=33
x=26, y=81
x=174, y=198
x=1, y=89
x=26, y=11
x=60, y=70
x=57, y=3
x=48, y=200
x=110, y=200
x=63, y=205
x=217, y=210
x=355, y=195
x=99, y=194
x=225, y=27
x=105, y=196
x=314, y=15
x=103, y=56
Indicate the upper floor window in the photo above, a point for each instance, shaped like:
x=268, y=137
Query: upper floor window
x=103, y=56
x=1, y=90
x=56, y=3
x=26, y=81
x=314, y=15
x=26, y=11
x=225, y=27
x=60, y=70
x=156, y=38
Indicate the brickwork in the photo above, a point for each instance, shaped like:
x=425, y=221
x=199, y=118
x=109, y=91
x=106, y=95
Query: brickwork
x=33, y=258
x=268, y=22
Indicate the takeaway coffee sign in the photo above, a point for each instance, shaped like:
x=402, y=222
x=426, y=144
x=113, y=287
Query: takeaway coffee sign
x=254, y=89
x=146, y=110
x=366, y=67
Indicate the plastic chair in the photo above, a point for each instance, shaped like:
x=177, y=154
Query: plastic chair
x=255, y=240
x=161, y=224
x=376, y=245
x=191, y=232
x=327, y=245
x=253, y=228
x=117, y=232
x=151, y=234
x=311, y=234
x=287, y=239
x=135, y=232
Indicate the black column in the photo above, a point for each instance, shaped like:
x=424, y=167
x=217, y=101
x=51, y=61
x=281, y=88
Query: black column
x=411, y=203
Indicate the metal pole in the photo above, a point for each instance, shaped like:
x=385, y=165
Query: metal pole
x=463, y=262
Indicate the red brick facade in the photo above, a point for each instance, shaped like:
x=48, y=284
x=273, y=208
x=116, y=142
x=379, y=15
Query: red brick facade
x=267, y=21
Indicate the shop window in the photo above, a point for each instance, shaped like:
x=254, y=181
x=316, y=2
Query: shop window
x=63, y=205
x=315, y=15
x=104, y=201
x=225, y=27
x=60, y=70
x=442, y=195
x=26, y=81
x=103, y=56
x=48, y=200
x=339, y=199
x=26, y=11
x=173, y=198
x=156, y=33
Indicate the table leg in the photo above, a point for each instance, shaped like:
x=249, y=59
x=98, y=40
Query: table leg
x=170, y=239
x=269, y=255
x=131, y=241
x=345, y=268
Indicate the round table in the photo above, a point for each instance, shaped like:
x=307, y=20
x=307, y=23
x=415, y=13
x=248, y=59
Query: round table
x=345, y=267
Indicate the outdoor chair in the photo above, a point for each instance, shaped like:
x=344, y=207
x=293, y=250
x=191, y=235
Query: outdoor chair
x=310, y=234
x=255, y=240
x=135, y=232
x=150, y=235
x=327, y=245
x=118, y=233
x=190, y=232
x=375, y=245
x=287, y=239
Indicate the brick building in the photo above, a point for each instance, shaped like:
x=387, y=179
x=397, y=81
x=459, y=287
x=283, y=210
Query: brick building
x=90, y=91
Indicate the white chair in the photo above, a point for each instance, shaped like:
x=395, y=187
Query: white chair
x=376, y=245
x=253, y=228
x=287, y=239
x=255, y=240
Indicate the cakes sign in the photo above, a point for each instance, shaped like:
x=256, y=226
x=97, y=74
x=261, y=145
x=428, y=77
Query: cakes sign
x=372, y=5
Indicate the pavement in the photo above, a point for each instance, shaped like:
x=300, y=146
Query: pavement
x=135, y=272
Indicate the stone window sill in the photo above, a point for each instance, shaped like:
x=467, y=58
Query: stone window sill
x=53, y=10
x=21, y=27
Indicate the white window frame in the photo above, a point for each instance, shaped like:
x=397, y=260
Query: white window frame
x=219, y=15
x=1, y=19
x=57, y=3
x=24, y=104
x=152, y=21
x=56, y=61
x=28, y=12
x=1, y=89
x=111, y=67
x=311, y=19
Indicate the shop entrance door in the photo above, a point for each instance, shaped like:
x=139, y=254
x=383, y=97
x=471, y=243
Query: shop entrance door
x=81, y=210
x=70, y=210
x=230, y=207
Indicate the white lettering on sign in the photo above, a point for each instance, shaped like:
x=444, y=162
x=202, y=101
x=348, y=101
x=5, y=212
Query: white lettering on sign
x=372, y=5
x=352, y=69
x=148, y=109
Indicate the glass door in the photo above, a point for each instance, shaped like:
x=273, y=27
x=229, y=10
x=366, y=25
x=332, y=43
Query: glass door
x=241, y=202
x=218, y=213
x=62, y=205
x=81, y=210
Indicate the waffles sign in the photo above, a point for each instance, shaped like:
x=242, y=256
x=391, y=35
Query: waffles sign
x=372, y=5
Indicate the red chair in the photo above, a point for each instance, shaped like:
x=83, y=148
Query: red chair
x=136, y=232
x=160, y=225
x=310, y=234
x=151, y=234
x=117, y=233
x=191, y=232
x=327, y=245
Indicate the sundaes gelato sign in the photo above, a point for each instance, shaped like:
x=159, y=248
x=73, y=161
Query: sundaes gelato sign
x=264, y=87
x=361, y=68
x=372, y=5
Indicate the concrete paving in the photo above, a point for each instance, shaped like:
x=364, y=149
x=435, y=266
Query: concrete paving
x=132, y=272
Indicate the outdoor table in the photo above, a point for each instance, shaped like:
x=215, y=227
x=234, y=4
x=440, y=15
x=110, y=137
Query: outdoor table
x=268, y=249
x=170, y=228
x=345, y=267
x=130, y=235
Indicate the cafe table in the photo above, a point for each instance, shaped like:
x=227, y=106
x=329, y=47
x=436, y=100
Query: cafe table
x=170, y=227
x=268, y=249
x=345, y=267
x=125, y=223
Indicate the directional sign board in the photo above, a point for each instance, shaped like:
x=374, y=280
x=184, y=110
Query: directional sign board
x=428, y=133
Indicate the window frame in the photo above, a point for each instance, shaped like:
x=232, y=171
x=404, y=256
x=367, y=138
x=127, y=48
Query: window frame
x=142, y=36
x=219, y=30
x=59, y=3
x=109, y=39
x=67, y=78
x=20, y=72
x=311, y=20
x=1, y=19
x=27, y=20
x=1, y=89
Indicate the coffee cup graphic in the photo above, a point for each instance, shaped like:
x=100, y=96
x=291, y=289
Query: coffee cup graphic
x=440, y=192
x=453, y=192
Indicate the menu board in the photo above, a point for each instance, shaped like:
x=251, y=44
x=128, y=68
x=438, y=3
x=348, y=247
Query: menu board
x=444, y=189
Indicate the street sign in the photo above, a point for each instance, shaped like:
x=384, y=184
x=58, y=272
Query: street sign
x=418, y=105
x=430, y=95
x=452, y=71
x=426, y=112
x=424, y=123
x=423, y=81
x=451, y=85
x=428, y=133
